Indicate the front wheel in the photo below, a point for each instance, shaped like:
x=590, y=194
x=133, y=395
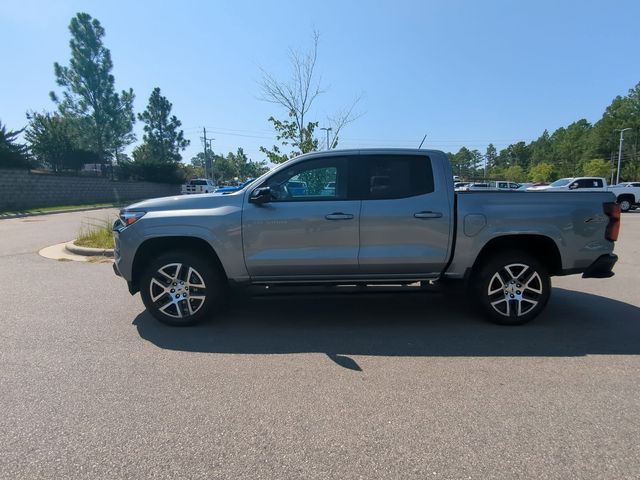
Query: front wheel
x=512, y=288
x=180, y=288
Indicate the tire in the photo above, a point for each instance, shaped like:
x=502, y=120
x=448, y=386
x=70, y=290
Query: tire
x=625, y=204
x=195, y=279
x=512, y=288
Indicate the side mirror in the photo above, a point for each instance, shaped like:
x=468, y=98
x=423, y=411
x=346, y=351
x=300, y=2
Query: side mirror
x=260, y=196
x=573, y=186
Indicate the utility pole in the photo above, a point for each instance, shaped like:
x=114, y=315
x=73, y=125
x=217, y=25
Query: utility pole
x=327, y=130
x=620, y=151
x=209, y=142
x=206, y=142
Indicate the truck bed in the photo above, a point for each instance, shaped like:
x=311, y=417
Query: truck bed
x=575, y=221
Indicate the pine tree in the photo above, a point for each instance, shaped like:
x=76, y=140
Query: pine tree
x=89, y=91
x=163, y=139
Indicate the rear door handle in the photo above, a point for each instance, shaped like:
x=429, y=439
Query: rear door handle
x=338, y=216
x=427, y=215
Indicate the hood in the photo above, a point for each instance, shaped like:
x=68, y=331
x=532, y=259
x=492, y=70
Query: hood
x=187, y=202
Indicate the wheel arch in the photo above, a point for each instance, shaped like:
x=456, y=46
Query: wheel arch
x=626, y=196
x=153, y=247
x=541, y=247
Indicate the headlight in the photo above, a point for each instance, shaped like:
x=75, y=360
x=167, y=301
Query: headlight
x=129, y=218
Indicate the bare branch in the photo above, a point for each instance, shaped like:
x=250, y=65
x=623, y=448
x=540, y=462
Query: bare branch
x=342, y=118
x=298, y=95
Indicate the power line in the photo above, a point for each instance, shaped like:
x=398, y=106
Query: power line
x=268, y=135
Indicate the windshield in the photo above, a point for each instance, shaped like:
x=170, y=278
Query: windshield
x=562, y=182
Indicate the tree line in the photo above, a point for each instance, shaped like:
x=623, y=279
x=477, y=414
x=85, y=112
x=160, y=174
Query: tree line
x=93, y=122
x=580, y=149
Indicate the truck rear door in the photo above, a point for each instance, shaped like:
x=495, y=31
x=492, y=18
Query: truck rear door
x=404, y=219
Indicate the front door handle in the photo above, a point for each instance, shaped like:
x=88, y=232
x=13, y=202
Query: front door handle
x=338, y=216
x=428, y=215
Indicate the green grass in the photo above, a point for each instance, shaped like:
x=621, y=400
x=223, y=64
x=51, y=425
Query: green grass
x=96, y=233
x=59, y=207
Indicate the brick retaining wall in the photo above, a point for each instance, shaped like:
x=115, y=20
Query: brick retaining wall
x=20, y=189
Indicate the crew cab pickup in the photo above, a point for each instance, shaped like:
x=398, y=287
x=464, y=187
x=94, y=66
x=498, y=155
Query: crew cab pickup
x=393, y=217
x=198, y=185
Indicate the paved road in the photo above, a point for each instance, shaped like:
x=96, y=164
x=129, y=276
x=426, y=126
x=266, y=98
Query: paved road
x=389, y=386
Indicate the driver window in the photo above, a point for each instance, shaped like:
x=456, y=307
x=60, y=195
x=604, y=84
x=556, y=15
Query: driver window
x=313, y=180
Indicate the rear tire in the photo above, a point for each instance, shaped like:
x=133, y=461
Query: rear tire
x=180, y=288
x=625, y=204
x=512, y=288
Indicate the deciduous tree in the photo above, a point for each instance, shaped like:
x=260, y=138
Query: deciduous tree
x=53, y=140
x=297, y=96
x=597, y=167
x=541, y=172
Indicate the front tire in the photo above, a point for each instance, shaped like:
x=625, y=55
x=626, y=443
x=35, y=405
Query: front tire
x=180, y=288
x=512, y=288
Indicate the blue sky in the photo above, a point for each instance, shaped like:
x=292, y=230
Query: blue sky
x=464, y=72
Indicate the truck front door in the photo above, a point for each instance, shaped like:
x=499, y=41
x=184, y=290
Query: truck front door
x=306, y=230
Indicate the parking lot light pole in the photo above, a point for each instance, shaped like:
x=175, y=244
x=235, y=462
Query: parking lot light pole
x=327, y=129
x=620, y=151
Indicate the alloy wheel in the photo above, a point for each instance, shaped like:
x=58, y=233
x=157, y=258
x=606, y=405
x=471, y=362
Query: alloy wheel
x=515, y=290
x=177, y=290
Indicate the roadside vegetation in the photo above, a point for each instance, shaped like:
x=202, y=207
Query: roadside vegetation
x=96, y=233
x=57, y=208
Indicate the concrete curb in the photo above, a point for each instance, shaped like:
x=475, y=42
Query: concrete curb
x=53, y=212
x=88, y=252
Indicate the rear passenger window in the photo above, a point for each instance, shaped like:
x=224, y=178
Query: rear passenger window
x=589, y=183
x=397, y=176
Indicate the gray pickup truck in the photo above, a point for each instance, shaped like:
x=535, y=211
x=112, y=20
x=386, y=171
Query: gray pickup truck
x=391, y=216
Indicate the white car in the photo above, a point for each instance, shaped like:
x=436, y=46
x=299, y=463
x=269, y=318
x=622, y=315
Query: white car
x=578, y=184
x=627, y=195
x=503, y=185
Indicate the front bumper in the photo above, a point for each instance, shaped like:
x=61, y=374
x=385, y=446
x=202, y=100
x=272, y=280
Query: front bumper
x=123, y=244
x=602, y=267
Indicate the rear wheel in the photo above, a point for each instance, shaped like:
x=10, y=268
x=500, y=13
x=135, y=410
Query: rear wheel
x=625, y=204
x=180, y=288
x=512, y=288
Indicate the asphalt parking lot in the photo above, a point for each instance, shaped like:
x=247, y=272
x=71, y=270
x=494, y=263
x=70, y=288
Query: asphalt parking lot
x=333, y=386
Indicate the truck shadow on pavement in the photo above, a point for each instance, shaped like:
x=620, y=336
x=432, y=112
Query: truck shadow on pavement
x=403, y=324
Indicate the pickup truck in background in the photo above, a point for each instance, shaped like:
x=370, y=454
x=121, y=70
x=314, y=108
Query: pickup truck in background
x=574, y=184
x=198, y=185
x=627, y=195
x=393, y=218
